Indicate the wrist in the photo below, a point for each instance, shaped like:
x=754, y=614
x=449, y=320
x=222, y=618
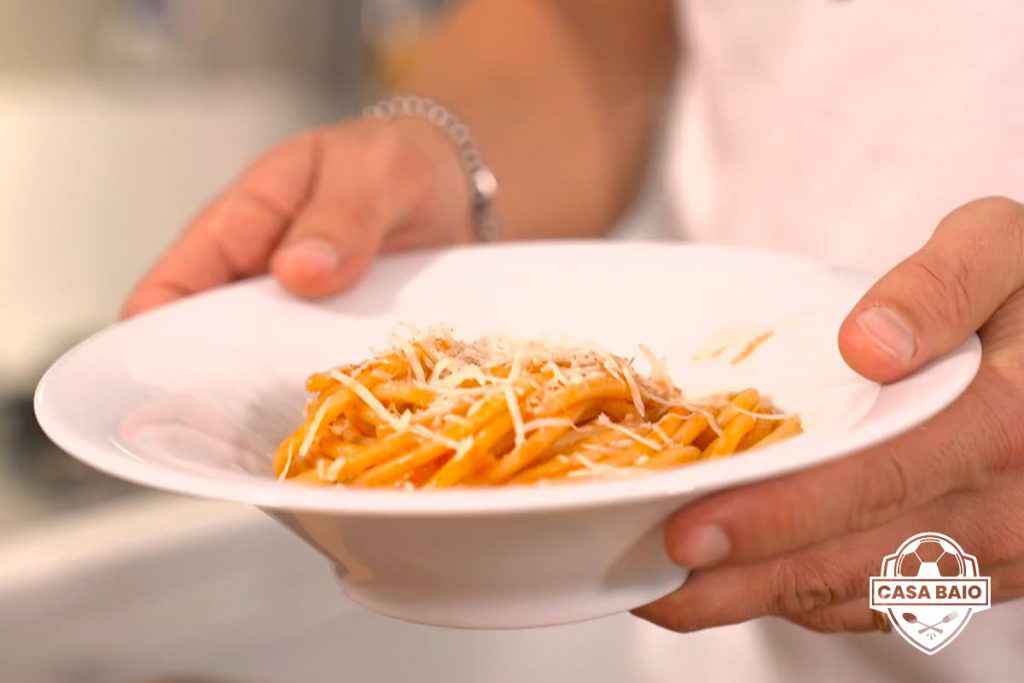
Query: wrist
x=447, y=131
x=443, y=211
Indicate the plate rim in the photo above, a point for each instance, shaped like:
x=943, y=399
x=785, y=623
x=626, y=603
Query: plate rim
x=799, y=453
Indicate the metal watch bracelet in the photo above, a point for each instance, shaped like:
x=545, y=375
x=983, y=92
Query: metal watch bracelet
x=483, y=186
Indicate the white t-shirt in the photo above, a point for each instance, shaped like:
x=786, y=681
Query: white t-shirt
x=845, y=130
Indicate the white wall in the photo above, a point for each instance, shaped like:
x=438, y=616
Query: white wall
x=97, y=176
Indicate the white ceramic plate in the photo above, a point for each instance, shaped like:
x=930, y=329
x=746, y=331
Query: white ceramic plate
x=193, y=398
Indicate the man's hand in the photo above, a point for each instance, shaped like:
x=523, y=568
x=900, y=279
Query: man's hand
x=563, y=99
x=315, y=210
x=803, y=546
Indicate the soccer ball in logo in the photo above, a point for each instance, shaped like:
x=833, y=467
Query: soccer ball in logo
x=930, y=557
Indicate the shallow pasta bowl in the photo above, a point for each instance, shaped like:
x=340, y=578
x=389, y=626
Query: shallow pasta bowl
x=193, y=398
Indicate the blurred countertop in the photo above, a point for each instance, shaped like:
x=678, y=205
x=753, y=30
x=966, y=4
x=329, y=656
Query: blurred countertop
x=170, y=589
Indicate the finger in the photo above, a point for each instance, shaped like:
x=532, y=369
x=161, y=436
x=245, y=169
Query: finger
x=852, y=616
x=836, y=571
x=929, y=303
x=790, y=587
x=371, y=177
x=954, y=450
x=236, y=234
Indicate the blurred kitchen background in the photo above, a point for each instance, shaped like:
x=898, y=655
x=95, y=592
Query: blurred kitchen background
x=118, y=120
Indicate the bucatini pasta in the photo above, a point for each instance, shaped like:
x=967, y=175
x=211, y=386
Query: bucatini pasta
x=436, y=412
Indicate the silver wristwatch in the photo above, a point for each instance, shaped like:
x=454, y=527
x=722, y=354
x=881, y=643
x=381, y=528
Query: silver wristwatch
x=483, y=186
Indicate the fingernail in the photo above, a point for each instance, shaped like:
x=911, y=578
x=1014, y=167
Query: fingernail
x=701, y=546
x=890, y=332
x=312, y=255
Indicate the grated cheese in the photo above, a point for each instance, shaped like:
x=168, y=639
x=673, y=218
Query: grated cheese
x=611, y=367
x=475, y=408
x=661, y=434
x=469, y=372
x=456, y=419
x=602, y=419
x=420, y=430
x=694, y=408
x=287, y=463
x=591, y=468
x=634, y=391
x=360, y=390
x=334, y=469
x=465, y=446
x=763, y=416
x=439, y=368
x=659, y=369
x=517, y=364
x=542, y=422
x=556, y=373
x=414, y=362
x=430, y=350
x=314, y=425
x=708, y=415
x=464, y=376
x=516, y=415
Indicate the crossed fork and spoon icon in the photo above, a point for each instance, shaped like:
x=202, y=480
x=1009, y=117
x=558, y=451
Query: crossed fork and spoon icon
x=911, y=618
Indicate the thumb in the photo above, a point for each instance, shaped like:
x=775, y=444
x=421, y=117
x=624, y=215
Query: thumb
x=928, y=304
x=370, y=177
